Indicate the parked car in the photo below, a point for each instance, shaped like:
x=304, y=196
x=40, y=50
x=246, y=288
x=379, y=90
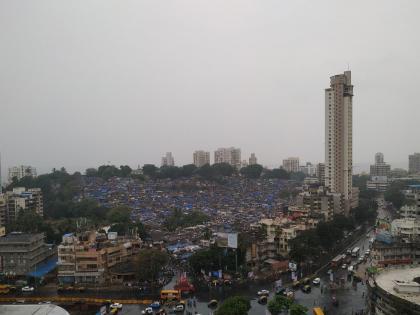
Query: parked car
x=147, y=311
x=344, y=266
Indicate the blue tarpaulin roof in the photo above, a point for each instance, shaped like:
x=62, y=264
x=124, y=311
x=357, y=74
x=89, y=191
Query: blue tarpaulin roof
x=44, y=268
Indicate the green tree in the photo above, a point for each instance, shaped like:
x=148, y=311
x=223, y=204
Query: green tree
x=252, y=171
x=91, y=172
x=297, y=309
x=235, y=305
x=223, y=169
x=206, y=172
x=277, y=173
x=150, y=170
x=125, y=170
x=279, y=304
x=149, y=263
x=120, y=214
x=188, y=170
x=394, y=195
x=169, y=172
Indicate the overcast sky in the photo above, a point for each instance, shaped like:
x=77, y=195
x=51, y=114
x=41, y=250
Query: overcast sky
x=87, y=82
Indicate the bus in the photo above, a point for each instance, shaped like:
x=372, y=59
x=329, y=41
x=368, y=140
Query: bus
x=170, y=295
x=355, y=252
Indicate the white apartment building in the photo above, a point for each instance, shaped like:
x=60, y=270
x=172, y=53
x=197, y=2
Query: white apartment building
x=168, y=160
x=291, y=164
x=230, y=155
x=201, y=158
x=339, y=137
x=252, y=159
x=23, y=199
x=21, y=171
x=309, y=169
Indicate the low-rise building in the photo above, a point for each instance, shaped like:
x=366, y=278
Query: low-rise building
x=395, y=291
x=21, y=253
x=87, y=258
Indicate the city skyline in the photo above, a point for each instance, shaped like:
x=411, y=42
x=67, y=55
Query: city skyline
x=124, y=108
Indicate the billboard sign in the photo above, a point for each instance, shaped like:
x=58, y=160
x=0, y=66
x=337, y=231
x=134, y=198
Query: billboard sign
x=229, y=240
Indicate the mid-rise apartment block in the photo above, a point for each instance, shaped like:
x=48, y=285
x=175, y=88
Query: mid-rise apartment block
x=414, y=163
x=201, y=158
x=339, y=136
x=22, y=199
x=21, y=171
x=230, y=155
x=320, y=173
x=291, y=164
x=21, y=253
x=90, y=258
x=309, y=169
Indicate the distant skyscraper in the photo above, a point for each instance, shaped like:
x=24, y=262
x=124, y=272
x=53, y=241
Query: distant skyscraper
x=379, y=158
x=21, y=171
x=230, y=155
x=380, y=168
x=291, y=164
x=339, y=137
x=320, y=173
x=414, y=163
x=252, y=159
x=168, y=160
x=201, y=158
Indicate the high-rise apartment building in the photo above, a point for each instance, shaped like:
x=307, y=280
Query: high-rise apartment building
x=339, y=137
x=320, y=173
x=414, y=163
x=201, y=158
x=230, y=155
x=309, y=169
x=168, y=160
x=291, y=164
x=252, y=159
x=21, y=171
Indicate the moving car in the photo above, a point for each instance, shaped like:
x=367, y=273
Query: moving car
x=213, y=303
x=147, y=311
x=344, y=266
x=263, y=292
x=306, y=288
x=116, y=305
x=28, y=289
x=262, y=299
x=316, y=281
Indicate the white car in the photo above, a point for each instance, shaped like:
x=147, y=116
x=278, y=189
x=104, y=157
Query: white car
x=263, y=292
x=350, y=269
x=344, y=266
x=116, y=305
x=28, y=289
x=147, y=311
x=316, y=281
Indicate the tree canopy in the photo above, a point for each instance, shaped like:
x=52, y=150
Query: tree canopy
x=252, y=171
x=235, y=305
x=149, y=263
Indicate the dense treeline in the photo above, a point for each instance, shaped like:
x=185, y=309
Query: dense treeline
x=179, y=219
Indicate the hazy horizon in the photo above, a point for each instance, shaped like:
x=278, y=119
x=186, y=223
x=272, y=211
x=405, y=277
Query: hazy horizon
x=84, y=83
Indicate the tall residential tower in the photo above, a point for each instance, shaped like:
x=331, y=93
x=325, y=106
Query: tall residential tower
x=339, y=137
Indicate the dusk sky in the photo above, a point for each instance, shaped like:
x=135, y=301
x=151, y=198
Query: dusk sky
x=87, y=82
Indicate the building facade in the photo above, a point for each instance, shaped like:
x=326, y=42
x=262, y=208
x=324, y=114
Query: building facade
x=230, y=155
x=168, y=160
x=291, y=164
x=88, y=258
x=414, y=163
x=253, y=159
x=21, y=253
x=21, y=171
x=22, y=199
x=201, y=158
x=339, y=136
